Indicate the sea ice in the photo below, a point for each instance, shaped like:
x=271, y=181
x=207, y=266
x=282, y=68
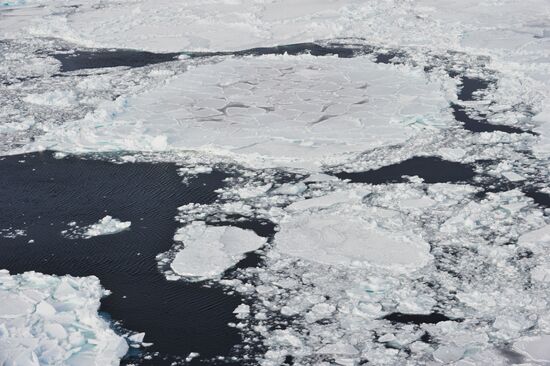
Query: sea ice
x=269, y=111
x=50, y=320
x=339, y=239
x=210, y=250
x=536, y=348
x=106, y=226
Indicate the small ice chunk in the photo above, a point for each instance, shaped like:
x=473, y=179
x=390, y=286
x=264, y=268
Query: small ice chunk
x=191, y=356
x=137, y=338
x=106, y=226
x=512, y=176
x=242, y=309
x=290, y=189
x=210, y=250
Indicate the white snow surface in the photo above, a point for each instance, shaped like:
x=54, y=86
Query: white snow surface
x=269, y=111
x=238, y=24
x=106, y=226
x=210, y=250
x=350, y=240
x=50, y=320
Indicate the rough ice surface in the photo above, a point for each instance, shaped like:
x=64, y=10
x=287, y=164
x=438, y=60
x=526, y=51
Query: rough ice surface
x=210, y=250
x=49, y=320
x=271, y=110
x=106, y=226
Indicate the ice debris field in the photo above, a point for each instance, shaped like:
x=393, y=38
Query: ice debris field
x=386, y=199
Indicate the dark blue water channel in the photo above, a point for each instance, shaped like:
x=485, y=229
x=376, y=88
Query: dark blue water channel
x=42, y=195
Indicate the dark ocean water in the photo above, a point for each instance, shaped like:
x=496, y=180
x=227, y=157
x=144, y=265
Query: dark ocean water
x=42, y=195
x=431, y=169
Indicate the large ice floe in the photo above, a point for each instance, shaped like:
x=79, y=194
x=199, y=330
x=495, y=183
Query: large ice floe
x=49, y=320
x=269, y=111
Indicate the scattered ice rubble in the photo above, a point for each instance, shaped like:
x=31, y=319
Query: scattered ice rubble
x=50, y=320
x=335, y=304
x=12, y=233
x=105, y=226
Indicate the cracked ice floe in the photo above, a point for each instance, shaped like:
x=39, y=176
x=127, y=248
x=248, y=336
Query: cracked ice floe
x=270, y=110
x=350, y=240
x=50, y=320
x=105, y=226
x=210, y=250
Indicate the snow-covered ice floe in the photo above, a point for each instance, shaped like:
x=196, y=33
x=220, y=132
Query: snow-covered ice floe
x=350, y=239
x=269, y=111
x=210, y=250
x=50, y=320
x=105, y=226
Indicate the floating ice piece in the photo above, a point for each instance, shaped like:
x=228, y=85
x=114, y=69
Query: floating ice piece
x=536, y=348
x=191, y=356
x=513, y=177
x=290, y=189
x=242, y=311
x=137, y=338
x=339, y=239
x=106, y=226
x=50, y=320
x=210, y=250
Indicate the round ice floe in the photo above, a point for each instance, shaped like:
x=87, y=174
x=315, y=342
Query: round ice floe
x=210, y=250
x=343, y=240
x=270, y=110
